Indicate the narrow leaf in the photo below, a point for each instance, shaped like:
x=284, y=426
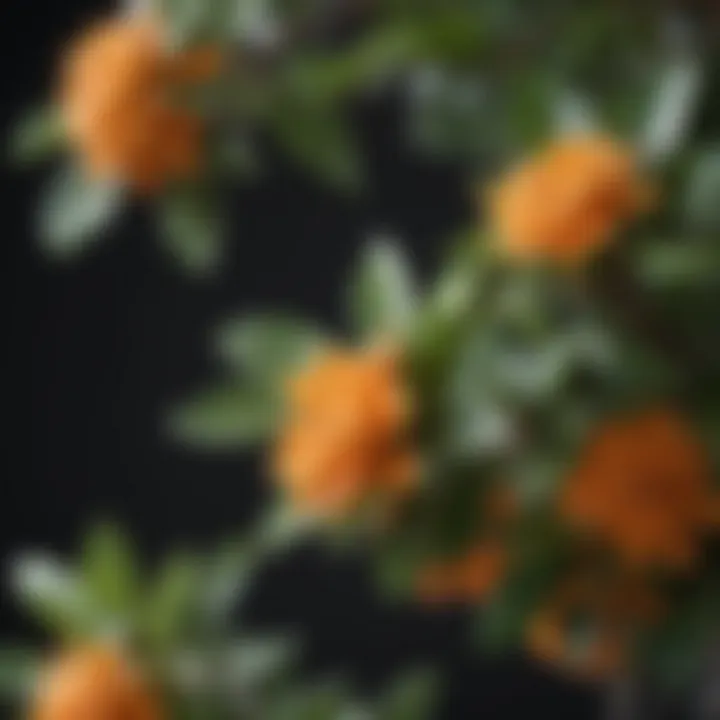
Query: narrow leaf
x=110, y=570
x=383, y=297
x=74, y=212
x=282, y=527
x=267, y=347
x=673, y=107
x=192, y=229
x=172, y=601
x=224, y=417
x=702, y=205
x=256, y=662
x=55, y=595
x=319, y=137
x=226, y=578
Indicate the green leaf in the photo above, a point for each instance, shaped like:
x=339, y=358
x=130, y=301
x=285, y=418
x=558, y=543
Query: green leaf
x=575, y=113
x=453, y=115
x=318, y=136
x=680, y=264
x=192, y=229
x=461, y=278
x=55, y=595
x=411, y=698
x=356, y=711
x=479, y=430
x=255, y=21
x=476, y=422
x=226, y=578
x=172, y=601
x=449, y=310
x=673, y=106
x=458, y=35
x=217, y=673
x=530, y=106
x=257, y=662
x=190, y=22
x=18, y=672
x=110, y=571
x=185, y=19
x=371, y=60
x=702, y=204
x=382, y=296
x=534, y=374
x=381, y=54
x=282, y=527
x=37, y=136
x=323, y=702
x=74, y=211
x=268, y=347
x=226, y=416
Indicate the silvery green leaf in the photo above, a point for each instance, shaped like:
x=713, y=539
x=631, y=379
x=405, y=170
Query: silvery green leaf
x=702, y=200
x=55, y=595
x=185, y=20
x=282, y=527
x=535, y=374
x=383, y=296
x=267, y=347
x=672, y=107
x=355, y=711
x=254, y=662
x=224, y=417
x=484, y=429
x=256, y=22
x=575, y=114
x=462, y=276
x=74, y=211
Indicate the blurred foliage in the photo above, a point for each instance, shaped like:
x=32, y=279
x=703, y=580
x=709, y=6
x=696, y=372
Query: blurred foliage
x=512, y=366
x=179, y=620
x=483, y=81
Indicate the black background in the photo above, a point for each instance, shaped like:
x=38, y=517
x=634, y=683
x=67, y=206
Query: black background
x=99, y=349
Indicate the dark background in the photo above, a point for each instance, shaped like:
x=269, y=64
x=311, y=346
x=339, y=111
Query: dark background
x=99, y=349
